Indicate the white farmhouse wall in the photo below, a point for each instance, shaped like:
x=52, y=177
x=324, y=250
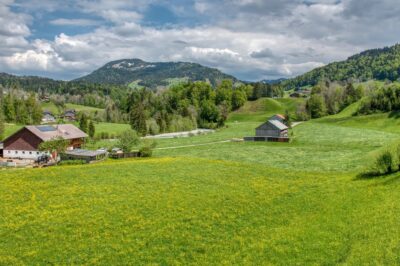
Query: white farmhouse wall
x=31, y=155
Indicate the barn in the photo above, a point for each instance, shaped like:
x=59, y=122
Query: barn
x=24, y=144
x=272, y=128
x=279, y=117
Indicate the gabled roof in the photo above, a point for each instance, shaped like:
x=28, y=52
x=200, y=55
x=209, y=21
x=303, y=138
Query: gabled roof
x=65, y=131
x=278, y=116
x=276, y=123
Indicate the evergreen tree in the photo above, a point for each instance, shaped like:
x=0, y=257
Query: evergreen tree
x=8, y=108
x=138, y=119
x=83, y=123
x=91, y=129
x=2, y=125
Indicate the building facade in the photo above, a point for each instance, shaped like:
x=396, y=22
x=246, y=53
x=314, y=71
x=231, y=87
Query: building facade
x=24, y=144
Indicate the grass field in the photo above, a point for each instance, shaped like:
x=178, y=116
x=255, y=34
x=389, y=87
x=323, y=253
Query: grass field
x=297, y=203
x=49, y=106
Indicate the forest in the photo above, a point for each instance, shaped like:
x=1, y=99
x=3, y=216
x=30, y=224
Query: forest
x=377, y=64
x=184, y=106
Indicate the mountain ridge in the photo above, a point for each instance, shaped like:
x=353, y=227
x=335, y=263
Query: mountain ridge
x=152, y=74
x=377, y=64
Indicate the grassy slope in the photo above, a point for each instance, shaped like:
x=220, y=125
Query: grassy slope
x=243, y=203
x=53, y=108
x=263, y=108
x=169, y=211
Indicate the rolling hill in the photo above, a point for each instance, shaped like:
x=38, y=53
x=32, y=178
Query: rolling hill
x=378, y=64
x=152, y=75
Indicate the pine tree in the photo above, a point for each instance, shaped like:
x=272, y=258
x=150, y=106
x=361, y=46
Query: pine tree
x=91, y=129
x=138, y=119
x=83, y=123
x=2, y=125
x=8, y=108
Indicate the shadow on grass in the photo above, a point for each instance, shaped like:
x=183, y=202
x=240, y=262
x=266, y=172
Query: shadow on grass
x=394, y=114
x=386, y=179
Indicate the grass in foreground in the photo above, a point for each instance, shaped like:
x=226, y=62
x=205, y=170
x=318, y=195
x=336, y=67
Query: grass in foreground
x=195, y=211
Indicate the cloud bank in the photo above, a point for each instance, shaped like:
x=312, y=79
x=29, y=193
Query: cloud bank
x=250, y=39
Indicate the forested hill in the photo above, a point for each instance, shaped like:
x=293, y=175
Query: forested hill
x=379, y=64
x=153, y=75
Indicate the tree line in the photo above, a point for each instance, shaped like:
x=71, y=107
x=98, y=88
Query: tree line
x=329, y=98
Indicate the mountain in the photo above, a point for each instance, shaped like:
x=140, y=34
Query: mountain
x=140, y=73
x=29, y=83
x=379, y=64
x=273, y=81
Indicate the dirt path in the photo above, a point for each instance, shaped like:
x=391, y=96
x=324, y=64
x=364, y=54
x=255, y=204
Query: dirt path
x=296, y=123
x=193, y=145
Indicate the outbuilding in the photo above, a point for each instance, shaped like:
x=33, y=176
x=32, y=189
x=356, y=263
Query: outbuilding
x=272, y=128
x=24, y=144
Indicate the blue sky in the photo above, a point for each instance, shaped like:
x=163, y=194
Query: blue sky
x=250, y=39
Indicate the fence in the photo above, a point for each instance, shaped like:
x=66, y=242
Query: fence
x=124, y=155
x=272, y=139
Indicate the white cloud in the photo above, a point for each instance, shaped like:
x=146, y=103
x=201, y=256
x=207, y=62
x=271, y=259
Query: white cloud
x=74, y=22
x=252, y=39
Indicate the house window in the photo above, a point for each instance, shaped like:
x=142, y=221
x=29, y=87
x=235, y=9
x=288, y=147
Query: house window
x=9, y=151
x=30, y=152
x=37, y=153
x=23, y=152
x=16, y=152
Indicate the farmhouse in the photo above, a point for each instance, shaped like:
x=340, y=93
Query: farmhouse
x=24, y=144
x=48, y=118
x=70, y=115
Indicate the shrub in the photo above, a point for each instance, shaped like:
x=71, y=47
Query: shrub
x=72, y=162
x=145, y=152
x=384, y=163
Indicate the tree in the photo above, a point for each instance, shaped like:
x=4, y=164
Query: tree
x=8, y=108
x=128, y=139
x=316, y=106
x=239, y=98
x=138, y=119
x=83, y=123
x=2, y=126
x=57, y=145
x=34, y=110
x=91, y=129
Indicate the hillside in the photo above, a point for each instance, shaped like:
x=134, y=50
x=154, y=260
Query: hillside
x=152, y=75
x=295, y=203
x=378, y=64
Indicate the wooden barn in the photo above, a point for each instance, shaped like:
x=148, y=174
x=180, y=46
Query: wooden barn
x=279, y=117
x=24, y=144
x=272, y=128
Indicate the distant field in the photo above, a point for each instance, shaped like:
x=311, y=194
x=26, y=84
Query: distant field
x=111, y=128
x=11, y=129
x=53, y=108
x=263, y=108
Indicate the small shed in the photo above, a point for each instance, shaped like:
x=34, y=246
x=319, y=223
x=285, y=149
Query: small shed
x=272, y=128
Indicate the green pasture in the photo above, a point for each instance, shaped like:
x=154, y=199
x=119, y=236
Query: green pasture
x=205, y=200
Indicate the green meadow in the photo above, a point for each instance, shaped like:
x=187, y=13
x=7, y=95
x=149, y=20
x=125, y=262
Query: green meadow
x=207, y=200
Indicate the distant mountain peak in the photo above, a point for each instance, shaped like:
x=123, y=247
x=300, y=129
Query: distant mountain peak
x=153, y=74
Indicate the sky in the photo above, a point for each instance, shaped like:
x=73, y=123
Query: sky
x=250, y=39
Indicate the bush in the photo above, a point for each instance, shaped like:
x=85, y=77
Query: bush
x=145, y=152
x=384, y=163
x=72, y=162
